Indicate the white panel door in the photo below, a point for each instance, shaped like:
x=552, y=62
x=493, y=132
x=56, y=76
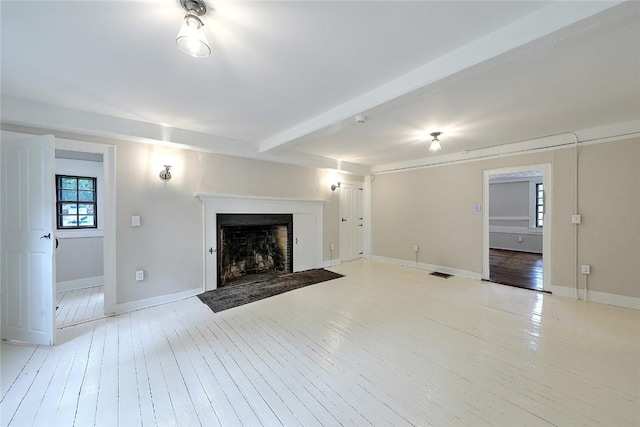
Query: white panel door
x=304, y=242
x=351, y=213
x=28, y=286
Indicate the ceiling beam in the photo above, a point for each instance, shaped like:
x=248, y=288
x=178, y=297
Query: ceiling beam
x=524, y=30
x=32, y=117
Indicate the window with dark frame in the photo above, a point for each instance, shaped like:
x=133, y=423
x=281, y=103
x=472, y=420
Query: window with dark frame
x=76, y=202
x=539, y=205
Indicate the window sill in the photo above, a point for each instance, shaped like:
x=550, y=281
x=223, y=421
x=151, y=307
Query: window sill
x=78, y=234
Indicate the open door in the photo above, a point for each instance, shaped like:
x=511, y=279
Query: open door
x=27, y=275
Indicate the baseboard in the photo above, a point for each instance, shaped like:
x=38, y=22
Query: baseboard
x=599, y=297
x=331, y=263
x=429, y=267
x=86, y=282
x=152, y=302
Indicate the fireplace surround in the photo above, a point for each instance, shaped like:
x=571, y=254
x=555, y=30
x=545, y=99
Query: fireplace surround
x=307, y=228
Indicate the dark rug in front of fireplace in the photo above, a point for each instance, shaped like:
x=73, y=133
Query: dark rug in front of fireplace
x=238, y=294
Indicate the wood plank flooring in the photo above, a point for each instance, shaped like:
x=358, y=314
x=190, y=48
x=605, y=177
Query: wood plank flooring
x=521, y=269
x=79, y=305
x=385, y=345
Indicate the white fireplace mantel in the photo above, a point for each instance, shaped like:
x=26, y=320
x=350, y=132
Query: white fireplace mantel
x=307, y=227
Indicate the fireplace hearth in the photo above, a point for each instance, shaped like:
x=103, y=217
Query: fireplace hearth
x=251, y=244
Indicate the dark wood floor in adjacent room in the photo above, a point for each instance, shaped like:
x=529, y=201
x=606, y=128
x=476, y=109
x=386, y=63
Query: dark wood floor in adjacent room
x=521, y=269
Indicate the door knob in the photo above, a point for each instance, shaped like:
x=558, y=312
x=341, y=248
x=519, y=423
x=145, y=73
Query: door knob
x=46, y=236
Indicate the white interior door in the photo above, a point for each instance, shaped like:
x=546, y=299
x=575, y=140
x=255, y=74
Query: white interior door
x=304, y=242
x=351, y=213
x=28, y=285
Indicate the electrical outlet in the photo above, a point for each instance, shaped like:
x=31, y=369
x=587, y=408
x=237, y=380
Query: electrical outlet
x=139, y=275
x=332, y=247
x=415, y=248
x=586, y=269
x=520, y=240
x=135, y=220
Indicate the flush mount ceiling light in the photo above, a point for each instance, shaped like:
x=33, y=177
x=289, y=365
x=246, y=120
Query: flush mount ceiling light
x=435, y=142
x=191, y=38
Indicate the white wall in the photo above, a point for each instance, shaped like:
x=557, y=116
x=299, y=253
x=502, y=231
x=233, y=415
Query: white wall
x=511, y=206
x=434, y=207
x=168, y=245
x=79, y=257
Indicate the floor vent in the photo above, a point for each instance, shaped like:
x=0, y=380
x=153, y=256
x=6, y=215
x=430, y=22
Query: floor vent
x=443, y=275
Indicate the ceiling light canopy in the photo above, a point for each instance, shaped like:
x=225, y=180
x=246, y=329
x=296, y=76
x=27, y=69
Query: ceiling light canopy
x=435, y=142
x=191, y=38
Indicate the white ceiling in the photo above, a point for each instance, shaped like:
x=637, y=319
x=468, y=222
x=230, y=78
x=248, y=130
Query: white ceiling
x=286, y=78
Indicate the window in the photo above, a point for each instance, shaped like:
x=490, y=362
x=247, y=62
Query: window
x=76, y=202
x=539, y=205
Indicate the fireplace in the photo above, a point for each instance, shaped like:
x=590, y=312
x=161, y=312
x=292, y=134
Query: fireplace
x=250, y=244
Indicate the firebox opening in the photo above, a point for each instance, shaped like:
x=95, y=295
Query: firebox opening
x=253, y=244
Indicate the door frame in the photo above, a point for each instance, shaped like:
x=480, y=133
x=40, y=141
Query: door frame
x=547, y=182
x=108, y=152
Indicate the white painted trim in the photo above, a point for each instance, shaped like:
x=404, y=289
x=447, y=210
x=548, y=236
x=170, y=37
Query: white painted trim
x=597, y=297
x=547, y=180
x=514, y=230
x=207, y=196
x=110, y=228
x=86, y=282
x=508, y=218
x=331, y=263
x=79, y=234
x=158, y=300
x=108, y=152
x=510, y=179
x=429, y=267
x=228, y=203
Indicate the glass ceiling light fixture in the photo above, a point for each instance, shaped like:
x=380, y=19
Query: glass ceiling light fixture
x=191, y=38
x=435, y=142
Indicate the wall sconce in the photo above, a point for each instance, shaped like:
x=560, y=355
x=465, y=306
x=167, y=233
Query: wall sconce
x=334, y=186
x=165, y=174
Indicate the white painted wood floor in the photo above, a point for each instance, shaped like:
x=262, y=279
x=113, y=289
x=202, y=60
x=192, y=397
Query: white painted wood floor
x=79, y=305
x=386, y=345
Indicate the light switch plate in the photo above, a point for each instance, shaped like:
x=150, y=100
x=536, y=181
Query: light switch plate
x=139, y=275
x=135, y=220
